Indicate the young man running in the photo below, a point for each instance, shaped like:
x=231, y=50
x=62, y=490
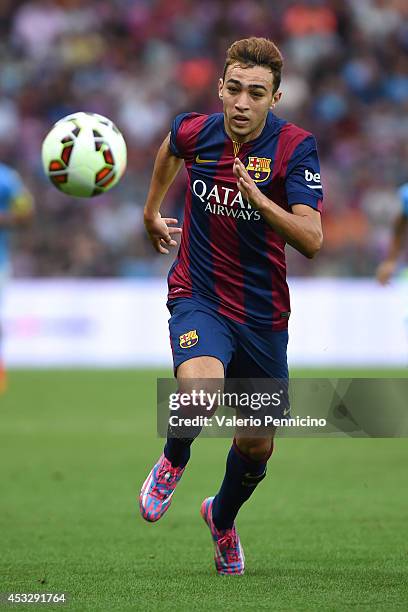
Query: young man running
x=253, y=186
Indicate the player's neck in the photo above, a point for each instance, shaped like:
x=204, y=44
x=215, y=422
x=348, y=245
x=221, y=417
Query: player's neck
x=238, y=138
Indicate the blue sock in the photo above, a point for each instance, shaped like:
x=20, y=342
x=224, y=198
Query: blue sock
x=242, y=475
x=177, y=451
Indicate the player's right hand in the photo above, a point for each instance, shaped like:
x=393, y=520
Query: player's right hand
x=160, y=233
x=385, y=270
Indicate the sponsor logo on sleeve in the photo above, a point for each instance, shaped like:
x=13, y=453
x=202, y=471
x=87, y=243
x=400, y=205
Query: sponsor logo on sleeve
x=313, y=177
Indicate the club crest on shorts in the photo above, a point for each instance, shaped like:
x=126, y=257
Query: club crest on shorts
x=259, y=168
x=189, y=339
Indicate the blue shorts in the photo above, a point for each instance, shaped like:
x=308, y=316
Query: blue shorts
x=197, y=330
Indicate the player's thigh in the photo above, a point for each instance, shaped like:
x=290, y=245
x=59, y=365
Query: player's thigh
x=260, y=354
x=259, y=371
x=202, y=343
x=201, y=367
x=205, y=376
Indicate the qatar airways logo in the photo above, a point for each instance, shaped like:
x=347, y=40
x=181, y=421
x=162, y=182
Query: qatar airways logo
x=224, y=201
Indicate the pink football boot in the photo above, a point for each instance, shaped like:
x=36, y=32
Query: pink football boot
x=158, y=488
x=229, y=556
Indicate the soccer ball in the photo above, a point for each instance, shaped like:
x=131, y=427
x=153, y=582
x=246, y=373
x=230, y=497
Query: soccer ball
x=84, y=155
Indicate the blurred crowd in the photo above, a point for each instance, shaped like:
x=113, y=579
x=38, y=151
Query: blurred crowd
x=140, y=62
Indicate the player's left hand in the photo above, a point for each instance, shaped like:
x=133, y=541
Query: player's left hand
x=246, y=185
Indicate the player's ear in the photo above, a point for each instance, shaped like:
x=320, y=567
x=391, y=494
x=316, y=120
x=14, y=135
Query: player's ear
x=220, y=86
x=276, y=98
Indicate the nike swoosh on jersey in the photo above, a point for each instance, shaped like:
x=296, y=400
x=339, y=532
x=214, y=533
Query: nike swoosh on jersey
x=205, y=161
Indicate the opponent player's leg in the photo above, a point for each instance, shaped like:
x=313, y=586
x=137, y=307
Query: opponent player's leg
x=202, y=348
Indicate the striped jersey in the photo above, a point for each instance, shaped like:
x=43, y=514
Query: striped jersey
x=229, y=257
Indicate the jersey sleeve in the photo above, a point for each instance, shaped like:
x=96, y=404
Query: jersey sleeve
x=183, y=134
x=303, y=181
x=403, y=194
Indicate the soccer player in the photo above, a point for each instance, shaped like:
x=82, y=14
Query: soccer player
x=16, y=210
x=253, y=186
x=387, y=268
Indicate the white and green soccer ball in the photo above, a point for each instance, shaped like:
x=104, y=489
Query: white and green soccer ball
x=84, y=155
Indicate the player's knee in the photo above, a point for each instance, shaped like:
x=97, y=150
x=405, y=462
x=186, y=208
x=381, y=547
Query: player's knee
x=199, y=398
x=256, y=449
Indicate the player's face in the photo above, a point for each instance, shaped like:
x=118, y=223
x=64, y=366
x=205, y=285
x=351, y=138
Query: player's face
x=247, y=95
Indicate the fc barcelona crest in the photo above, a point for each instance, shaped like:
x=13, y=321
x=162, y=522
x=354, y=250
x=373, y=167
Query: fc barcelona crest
x=259, y=168
x=189, y=339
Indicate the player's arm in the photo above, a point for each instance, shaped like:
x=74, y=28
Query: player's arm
x=166, y=167
x=387, y=268
x=302, y=229
x=20, y=213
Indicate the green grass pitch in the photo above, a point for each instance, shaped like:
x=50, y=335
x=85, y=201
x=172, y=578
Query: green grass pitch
x=325, y=531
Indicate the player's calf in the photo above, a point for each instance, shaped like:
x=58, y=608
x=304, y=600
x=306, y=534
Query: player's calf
x=193, y=385
x=242, y=475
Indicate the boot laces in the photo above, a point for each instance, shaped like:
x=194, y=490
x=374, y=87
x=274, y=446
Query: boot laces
x=228, y=545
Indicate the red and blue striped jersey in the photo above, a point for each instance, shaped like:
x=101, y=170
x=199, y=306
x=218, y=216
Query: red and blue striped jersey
x=229, y=256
